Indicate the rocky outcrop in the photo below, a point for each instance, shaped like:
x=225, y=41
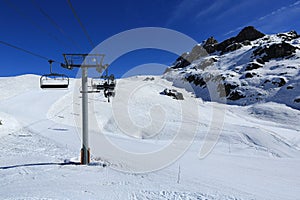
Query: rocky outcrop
x=243, y=38
x=236, y=95
x=288, y=36
x=197, y=52
x=181, y=62
x=280, y=50
x=252, y=66
x=249, y=33
x=173, y=93
x=210, y=45
x=233, y=47
x=229, y=87
x=223, y=45
x=198, y=81
x=246, y=76
x=187, y=58
x=297, y=100
x=250, y=74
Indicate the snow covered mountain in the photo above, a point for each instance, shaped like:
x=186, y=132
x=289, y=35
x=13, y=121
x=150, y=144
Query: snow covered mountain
x=255, y=146
x=253, y=67
x=256, y=155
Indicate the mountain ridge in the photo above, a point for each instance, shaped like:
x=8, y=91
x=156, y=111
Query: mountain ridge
x=252, y=66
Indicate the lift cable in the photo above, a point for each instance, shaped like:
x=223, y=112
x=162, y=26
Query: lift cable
x=17, y=10
x=80, y=23
x=26, y=51
x=52, y=21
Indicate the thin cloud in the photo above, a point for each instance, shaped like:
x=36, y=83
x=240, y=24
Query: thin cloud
x=282, y=9
x=264, y=21
x=213, y=8
x=232, y=8
x=181, y=10
x=198, y=8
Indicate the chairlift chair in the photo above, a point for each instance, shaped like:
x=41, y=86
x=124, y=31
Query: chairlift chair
x=54, y=80
x=109, y=87
x=104, y=83
x=97, y=83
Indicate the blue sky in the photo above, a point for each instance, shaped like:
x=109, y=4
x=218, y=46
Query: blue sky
x=23, y=24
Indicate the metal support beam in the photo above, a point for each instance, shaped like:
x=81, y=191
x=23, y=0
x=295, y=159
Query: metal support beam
x=85, y=157
x=84, y=61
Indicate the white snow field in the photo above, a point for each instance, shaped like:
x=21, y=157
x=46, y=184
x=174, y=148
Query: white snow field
x=257, y=155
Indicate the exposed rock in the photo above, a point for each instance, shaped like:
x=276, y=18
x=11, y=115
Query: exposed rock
x=249, y=33
x=181, y=61
x=236, y=95
x=210, y=45
x=187, y=58
x=214, y=59
x=297, y=100
x=229, y=87
x=197, y=52
x=246, y=43
x=244, y=77
x=260, y=61
x=279, y=82
x=250, y=74
x=168, y=69
x=196, y=80
x=267, y=81
x=220, y=77
x=275, y=51
x=244, y=37
x=226, y=88
x=288, y=36
x=149, y=79
x=173, y=93
x=223, y=45
x=233, y=47
x=204, y=64
x=266, y=38
x=252, y=66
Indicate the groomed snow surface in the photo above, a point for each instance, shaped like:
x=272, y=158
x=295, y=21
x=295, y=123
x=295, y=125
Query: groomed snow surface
x=257, y=155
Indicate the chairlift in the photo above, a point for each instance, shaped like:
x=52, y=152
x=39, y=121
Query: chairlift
x=54, y=80
x=104, y=82
x=97, y=83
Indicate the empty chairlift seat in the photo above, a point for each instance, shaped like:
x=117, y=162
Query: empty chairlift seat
x=54, y=81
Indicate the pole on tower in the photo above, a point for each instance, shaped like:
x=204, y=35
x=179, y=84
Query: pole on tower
x=85, y=121
x=84, y=61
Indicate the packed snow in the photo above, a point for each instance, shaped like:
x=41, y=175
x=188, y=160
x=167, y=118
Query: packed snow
x=256, y=156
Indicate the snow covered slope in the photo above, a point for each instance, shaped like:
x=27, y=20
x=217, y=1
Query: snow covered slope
x=257, y=155
x=253, y=67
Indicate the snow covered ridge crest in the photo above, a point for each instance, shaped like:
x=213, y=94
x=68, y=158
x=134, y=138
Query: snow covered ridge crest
x=253, y=67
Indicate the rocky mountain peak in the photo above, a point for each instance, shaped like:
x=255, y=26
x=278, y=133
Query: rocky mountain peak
x=248, y=33
x=244, y=37
x=210, y=45
x=252, y=67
